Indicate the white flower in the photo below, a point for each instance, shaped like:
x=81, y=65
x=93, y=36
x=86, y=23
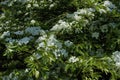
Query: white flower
x=78, y=15
x=56, y=27
x=24, y=40
x=61, y=25
x=19, y=12
x=73, y=59
x=82, y=11
x=42, y=44
x=19, y=33
x=42, y=32
x=64, y=52
x=95, y=35
x=41, y=38
x=58, y=52
x=118, y=64
x=4, y=2
x=7, y=33
x=2, y=15
x=116, y=57
x=52, y=41
x=58, y=44
x=32, y=21
x=35, y=5
x=29, y=5
x=37, y=55
x=85, y=11
x=26, y=70
x=91, y=9
x=77, y=18
x=109, y=5
x=33, y=30
x=10, y=40
x=68, y=43
x=52, y=5
x=74, y=16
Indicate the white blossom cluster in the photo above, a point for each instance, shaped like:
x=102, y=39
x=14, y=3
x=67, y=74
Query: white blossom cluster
x=116, y=57
x=24, y=40
x=68, y=43
x=32, y=3
x=109, y=5
x=50, y=43
x=61, y=25
x=19, y=32
x=32, y=31
x=64, y=25
x=106, y=6
x=73, y=59
x=78, y=15
x=7, y=33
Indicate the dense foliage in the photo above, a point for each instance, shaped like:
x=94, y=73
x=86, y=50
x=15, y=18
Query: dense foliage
x=60, y=40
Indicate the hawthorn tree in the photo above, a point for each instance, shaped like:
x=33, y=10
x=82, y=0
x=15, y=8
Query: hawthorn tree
x=59, y=40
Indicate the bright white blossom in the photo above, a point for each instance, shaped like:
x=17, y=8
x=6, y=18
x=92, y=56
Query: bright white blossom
x=109, y=5
x=10, y=40
x=74, y=16
x=52, y=41
x=35, y=5
x=52, y=5
x=116, y=57
x=19, y=32
x=82, y=11
x=48, y=43
x=32, y=21
x=59, y=52
x=64, y=52
x=41, y=38
x=79, y=14
x=7, y=33
x=73, y=59
x=68, y=43
x=2, y=16
x=77, y=17
x=33, y=30
x=85, y=11
x=41, y=45
x=24, y=40
x=61, y=25
x=29, y=5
